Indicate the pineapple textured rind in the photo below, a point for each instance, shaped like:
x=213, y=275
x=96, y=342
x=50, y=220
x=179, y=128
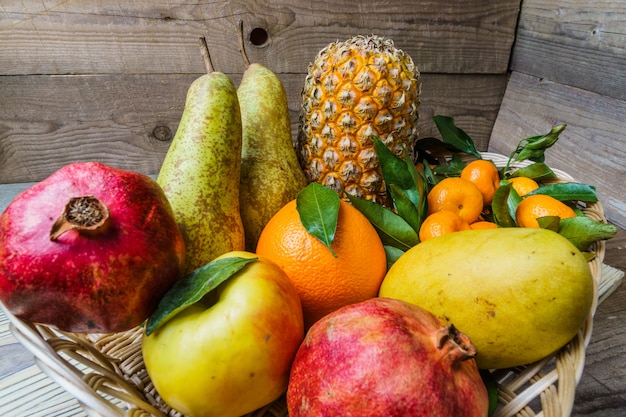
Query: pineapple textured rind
x=353, y=91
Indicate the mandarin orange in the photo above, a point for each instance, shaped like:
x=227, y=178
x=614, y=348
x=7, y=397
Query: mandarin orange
x=540, y=205
x=485, y=176
x=458, y=195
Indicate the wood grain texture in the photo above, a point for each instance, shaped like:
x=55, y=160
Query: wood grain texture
x=100, y=37
x=581, y=43
x=50, y=121
x=93, y=80
x=602, y=388
x=592, y=148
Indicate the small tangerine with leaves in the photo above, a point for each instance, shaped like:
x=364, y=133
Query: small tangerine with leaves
x=457, y=195
x=441, y=223
x=535, y=206
x=325, y=282
x=484, y=175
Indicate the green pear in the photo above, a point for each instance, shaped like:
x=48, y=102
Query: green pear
x=270, y=173
x=200, y=172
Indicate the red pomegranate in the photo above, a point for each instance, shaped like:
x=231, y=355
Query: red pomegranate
x=385, y=357
x=91, y=248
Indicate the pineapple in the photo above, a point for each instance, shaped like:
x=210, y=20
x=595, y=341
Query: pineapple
x=355, y=90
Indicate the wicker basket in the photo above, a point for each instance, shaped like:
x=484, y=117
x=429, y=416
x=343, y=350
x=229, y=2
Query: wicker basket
x=107, y=376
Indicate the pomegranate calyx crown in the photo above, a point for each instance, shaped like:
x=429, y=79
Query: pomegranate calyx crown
x=85, y=214
x=454, y=344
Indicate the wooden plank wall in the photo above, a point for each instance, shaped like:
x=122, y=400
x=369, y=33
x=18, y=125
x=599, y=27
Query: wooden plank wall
x=102, y=80
x=569, y=66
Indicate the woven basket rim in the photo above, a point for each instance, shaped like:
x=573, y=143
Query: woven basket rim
x=106, y=375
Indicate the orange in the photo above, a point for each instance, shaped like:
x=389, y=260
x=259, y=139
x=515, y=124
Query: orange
x=539, y=205
x=483, y=224
x=441, y=223
x=458, y=195
x=324, y=282
x=523, y=185
x=485, y=176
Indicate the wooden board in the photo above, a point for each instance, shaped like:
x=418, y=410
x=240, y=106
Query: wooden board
x=50, y=121
x=593, y=146
x=100, y=81
x=100, y=37
x=581, y=43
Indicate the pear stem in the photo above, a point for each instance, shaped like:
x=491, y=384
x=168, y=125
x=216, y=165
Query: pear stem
x=242, y=48
x=206, y=56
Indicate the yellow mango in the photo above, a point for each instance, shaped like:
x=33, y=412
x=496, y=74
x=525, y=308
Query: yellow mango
x=519, y=294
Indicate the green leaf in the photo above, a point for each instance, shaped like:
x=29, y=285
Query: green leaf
x=392, y=229
x=568, y=191
x=534, y=147
x=433, y=150
x=422, y=187
x=392, y=254
x=191, y=288
x=455, y=136
x=582, y=231
x=318, y=207
x=539, y=171
x=404, y=206
x=503, y=205
x=549, y=222
x=453, y=168
x=395, y=171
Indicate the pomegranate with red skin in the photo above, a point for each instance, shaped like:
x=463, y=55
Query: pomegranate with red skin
x=385, y=357
x=91, y=248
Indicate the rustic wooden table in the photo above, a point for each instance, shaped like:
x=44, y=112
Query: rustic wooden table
x=26, y=391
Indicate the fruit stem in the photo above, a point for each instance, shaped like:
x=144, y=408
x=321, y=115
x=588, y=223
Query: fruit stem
x=206, y=56
x=85, y=214
x=454, y=345
x=242, y=48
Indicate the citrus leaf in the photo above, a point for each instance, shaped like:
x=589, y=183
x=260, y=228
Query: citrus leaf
x=453, y=168
x=582, y=231
x=392, y=229
x=504, y=204
x=534, y=147
x=567, y=191
x=318, y=207
x=404, y=206
x=392, y=255
x=539, y=171
x=191, y=288
x=455, y=136
x=549, y=222
x=395, y=171
x=421, y=184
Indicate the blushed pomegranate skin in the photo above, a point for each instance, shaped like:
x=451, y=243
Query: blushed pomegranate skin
x=381, y=358
x=107, y=281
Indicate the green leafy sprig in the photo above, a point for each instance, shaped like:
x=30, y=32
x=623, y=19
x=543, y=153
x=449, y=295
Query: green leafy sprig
x=408, y=184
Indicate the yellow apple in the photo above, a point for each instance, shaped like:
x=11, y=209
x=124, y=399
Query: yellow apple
x=230, y=353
